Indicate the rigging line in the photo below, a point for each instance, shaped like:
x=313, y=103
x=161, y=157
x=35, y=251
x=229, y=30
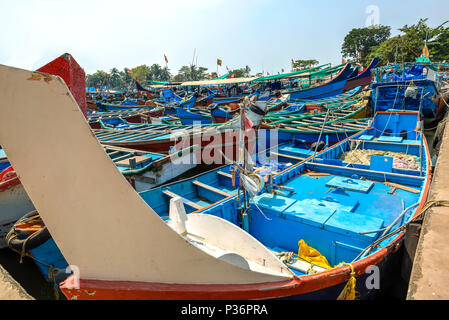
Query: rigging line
x=321, y=132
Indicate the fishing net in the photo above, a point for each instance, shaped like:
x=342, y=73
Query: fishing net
x=400, y=160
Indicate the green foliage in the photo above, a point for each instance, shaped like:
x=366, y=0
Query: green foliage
x=98, y=79
x=190, y=73
x=299, y=65
x=242, y=72
x=141, y=73
x=439, y=47
x=361, y=41
x=119, y=80
x=408, y=47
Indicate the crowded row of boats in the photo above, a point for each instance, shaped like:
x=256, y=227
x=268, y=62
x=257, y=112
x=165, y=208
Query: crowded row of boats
x=287, y=186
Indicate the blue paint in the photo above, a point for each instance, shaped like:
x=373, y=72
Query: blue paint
x=350, y=184
x=380, y=163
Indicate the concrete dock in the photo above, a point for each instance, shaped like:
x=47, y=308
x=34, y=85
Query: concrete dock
x=10, y=289
x=429, y=279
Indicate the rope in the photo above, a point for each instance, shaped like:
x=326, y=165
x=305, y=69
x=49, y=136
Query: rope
x=348, y=292
x=51, y=269
x=285, y=257
x=426, y=207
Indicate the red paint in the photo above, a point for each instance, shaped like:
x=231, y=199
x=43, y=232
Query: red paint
x=73, y=75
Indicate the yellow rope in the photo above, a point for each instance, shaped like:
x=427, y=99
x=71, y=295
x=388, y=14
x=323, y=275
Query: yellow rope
x=348, y=292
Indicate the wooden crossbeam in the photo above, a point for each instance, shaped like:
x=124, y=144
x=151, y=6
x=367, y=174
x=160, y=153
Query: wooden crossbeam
x=187, y=202
x=210, y=188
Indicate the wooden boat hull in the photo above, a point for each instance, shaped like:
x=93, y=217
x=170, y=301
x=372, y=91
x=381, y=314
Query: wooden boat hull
x=189, y=117
x=324, y=287
x=213, y=145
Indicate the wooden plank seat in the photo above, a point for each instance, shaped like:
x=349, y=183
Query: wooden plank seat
x=184, y=200
x=126, y=162
x=210, y=188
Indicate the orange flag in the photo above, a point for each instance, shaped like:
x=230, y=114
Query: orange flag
x=165, y=57
x=425, y=51
x=219, y=62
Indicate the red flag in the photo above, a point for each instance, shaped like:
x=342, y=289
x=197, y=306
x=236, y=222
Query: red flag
x=246, y=122
x=165, y=57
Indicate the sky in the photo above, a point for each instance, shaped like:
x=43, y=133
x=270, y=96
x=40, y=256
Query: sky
x=263, y=34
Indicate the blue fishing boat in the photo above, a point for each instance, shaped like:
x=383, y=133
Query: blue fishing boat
x=348, y=78
x=192, y=115
x=332, y=87
x=143, y=170
x=197, y=193
x=314, y=230
x=408, y=86
x=329, y=219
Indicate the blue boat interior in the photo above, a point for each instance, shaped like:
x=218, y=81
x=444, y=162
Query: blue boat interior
x=338, y=208
x=208, y=188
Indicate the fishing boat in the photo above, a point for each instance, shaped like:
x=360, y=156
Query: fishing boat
x=137, y=115
x=143, y=170
x=355, y=212
x=222, y=113
x=324, y=126
x=214, y=139
x=408, y=86
x=123, y=105
x=193, y=115
x=197, y=193
x=14, y=201
x=348, y=78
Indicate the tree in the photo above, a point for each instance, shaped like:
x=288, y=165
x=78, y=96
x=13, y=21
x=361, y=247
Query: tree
x=408, y=47
x=141, y=73
x=359, y=42
x=439, y=48
x=157, y=73
x=190, y=73
x=241, y=73
x=98, y=79
x=115, y=80
x=299, y=65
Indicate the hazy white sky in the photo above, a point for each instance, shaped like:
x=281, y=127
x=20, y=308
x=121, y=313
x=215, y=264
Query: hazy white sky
x=264, y=34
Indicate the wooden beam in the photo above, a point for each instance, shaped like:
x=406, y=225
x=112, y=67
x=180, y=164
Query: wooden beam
x=287, y=156
x=189, y=203
x=224, y=174
x=210, y=188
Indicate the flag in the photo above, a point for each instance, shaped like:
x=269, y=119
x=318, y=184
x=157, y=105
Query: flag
x=247, y=123
x=293, y=62
x=165, y=57
x=219, y=62
x=282, y=70
x=343, y=61
x=425, y=51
